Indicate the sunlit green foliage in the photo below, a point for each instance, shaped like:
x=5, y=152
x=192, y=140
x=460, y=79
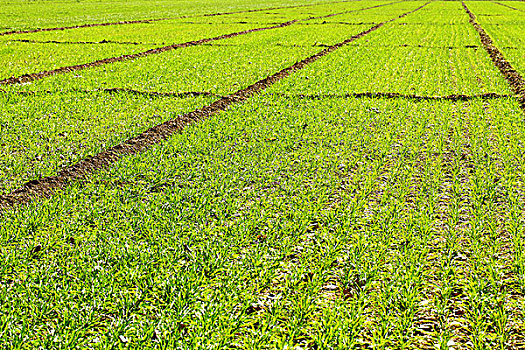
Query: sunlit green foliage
x=309, y=216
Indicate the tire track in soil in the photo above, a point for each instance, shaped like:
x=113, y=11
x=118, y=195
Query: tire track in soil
x=514, y=79
x=46, y=186
x=89, y=25
x=40, y=75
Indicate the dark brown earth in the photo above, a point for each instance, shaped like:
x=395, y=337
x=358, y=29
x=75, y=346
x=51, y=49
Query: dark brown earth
x=46, y=186
x=119, y=90
x=390, y=95
x=82, y=42
x=513, y=77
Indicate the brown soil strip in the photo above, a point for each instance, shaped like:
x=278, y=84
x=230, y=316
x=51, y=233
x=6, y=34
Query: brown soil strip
x=40, y=75
x=83, y=42
x=350, y=11
x=510, y=7
x=156, y=134
x=428, y=46
x=441, y=47
x=513, y=77
x=395, y=95
x=157, y=19
x=428, y=24
x=342, y=23
x=36, y=76
x=183, y=94
x=82, y=26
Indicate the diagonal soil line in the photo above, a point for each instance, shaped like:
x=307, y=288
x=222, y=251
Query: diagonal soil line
x=510, y=7
x=40, y=75
x=162, y=19
x=513, y=77
x=83, y=26
x=156, y=134
x=36, y=76
x=395, y=95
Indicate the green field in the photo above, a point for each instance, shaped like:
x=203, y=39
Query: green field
x=319, y=174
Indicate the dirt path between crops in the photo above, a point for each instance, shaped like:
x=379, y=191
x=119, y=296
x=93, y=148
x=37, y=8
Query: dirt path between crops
x=156, y=134
x=40, y=75
x=515, y=80
x=159, y=19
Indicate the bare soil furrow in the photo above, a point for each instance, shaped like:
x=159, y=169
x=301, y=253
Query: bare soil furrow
x=46, y=186
x=40, y=75
x=510, y=7
x=83, y=26
x=182, y=94
x=513, y=77
x=36, y=76
x=83, y=42
x=386, y=95
x=343, y=23
x=427, y=46
x=158, y=19
x=390, y=95
x=351, y=11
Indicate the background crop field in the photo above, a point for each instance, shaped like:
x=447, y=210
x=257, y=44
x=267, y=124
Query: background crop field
x=277, y=174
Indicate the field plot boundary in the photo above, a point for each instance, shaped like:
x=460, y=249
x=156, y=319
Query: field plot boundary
x=514, y=79
x=395, y=95
x=40, y=75
x=43, y=74
x=182, y=94
x=105, y=24
x=510, y=7
x=28, y=41
x=45, y=186
x=185, y=94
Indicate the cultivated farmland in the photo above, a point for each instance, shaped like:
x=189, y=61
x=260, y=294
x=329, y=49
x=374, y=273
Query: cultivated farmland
x=276, y=174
